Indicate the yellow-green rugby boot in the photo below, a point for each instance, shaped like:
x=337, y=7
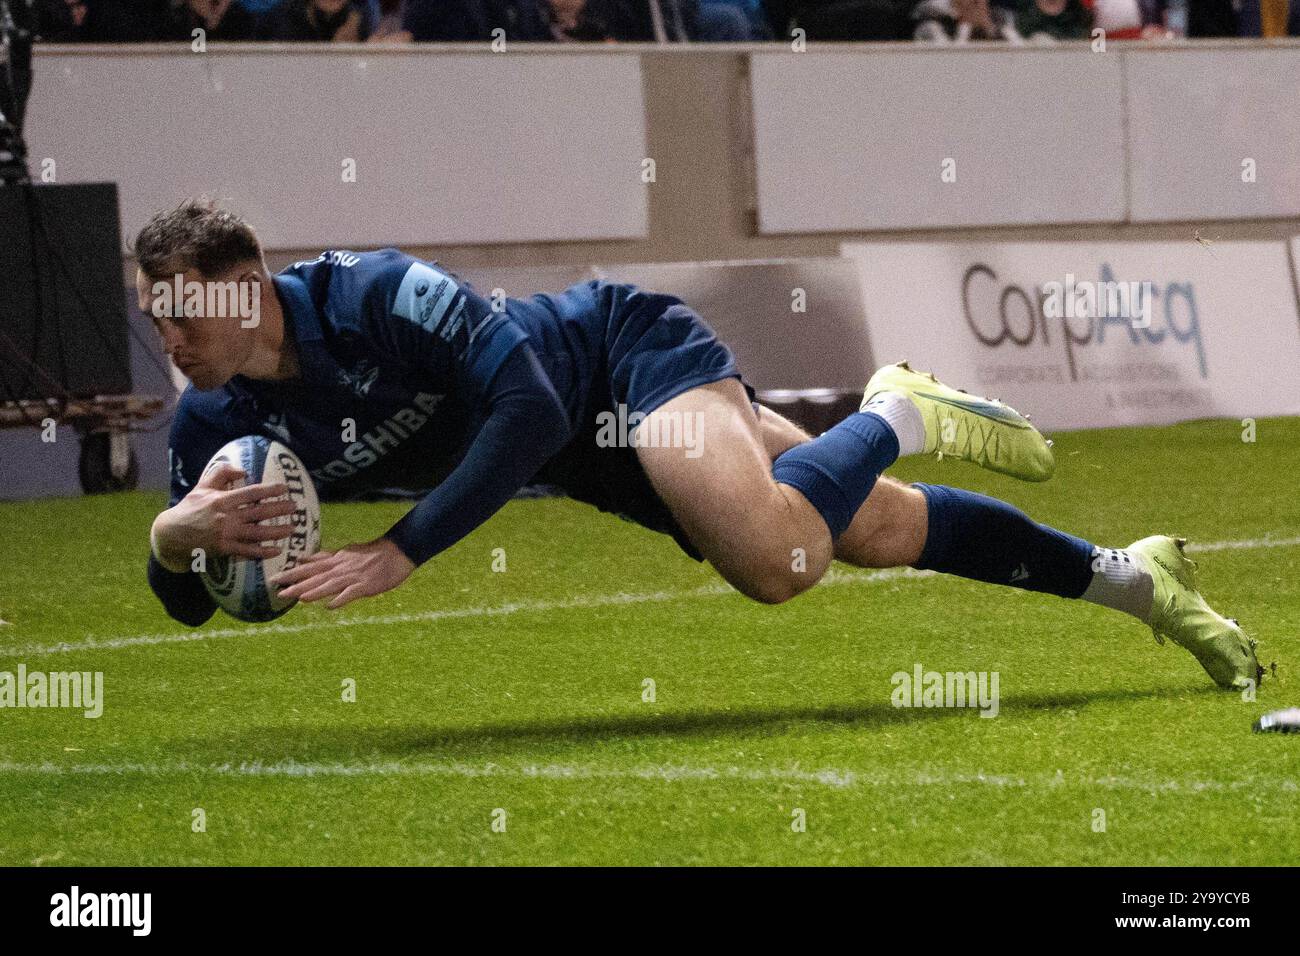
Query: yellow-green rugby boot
x=960, y=425
x=1178, y=612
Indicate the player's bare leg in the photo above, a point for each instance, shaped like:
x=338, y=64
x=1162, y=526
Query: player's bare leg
x=887, y=532
x=745, y=523
x=1152, y=579
x=767, y=522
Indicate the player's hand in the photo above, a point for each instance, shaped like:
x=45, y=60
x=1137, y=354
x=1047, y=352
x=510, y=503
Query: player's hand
x=356, y=571
x=222, y=520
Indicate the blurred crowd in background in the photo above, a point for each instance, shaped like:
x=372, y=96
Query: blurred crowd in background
x=405, y=21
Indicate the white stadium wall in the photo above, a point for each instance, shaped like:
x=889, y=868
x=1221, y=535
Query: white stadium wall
x=1035, y=137
x=1214, y=134
x=1028, y=137
x=465, y=147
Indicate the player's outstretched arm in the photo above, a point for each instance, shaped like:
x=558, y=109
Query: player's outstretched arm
x=526, y=424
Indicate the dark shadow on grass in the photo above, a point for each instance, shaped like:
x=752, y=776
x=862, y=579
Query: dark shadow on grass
x=488, y=741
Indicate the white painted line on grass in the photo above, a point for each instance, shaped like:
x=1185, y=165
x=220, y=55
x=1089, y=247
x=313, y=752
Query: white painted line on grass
x=832, y=577
x=671, y=773
x=1244, y=545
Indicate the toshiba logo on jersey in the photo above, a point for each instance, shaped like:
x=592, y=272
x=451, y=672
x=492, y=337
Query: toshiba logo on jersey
x=374, y=444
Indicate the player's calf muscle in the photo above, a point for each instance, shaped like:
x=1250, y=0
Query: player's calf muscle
x=888, y=531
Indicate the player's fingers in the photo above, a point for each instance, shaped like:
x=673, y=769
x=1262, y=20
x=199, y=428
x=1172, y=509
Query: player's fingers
x=220, y=476
x=263, y=532
x=305, y=568
x=347, y=596
x=266, y=509
x=251, y=493
x=318, y=556
x=299, y=572
x=331, y=585
x=293, y=589
x=239, y=549
x=302, y=579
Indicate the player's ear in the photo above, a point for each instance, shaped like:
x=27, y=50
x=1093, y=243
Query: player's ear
x=250, y=281
x=251, y=291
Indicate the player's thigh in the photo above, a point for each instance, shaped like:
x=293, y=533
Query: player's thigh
x=779, y=433
x=721, y=491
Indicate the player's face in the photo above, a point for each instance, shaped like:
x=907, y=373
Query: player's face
x=207, y=348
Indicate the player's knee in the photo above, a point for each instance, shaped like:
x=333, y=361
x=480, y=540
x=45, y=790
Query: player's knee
x=782, y=576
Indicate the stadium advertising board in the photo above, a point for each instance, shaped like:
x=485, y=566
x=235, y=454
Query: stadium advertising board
x=1090, y=335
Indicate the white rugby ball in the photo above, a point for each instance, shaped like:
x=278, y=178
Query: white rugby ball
x=239, y=585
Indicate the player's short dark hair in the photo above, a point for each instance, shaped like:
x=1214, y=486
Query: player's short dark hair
x=196, y=234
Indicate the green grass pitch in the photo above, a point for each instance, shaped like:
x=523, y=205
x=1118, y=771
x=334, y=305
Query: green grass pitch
x=521, y=691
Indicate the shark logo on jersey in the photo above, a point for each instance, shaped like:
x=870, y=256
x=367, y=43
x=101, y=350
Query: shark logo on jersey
x=345, y=259
x=359, y=379
x=276, y=423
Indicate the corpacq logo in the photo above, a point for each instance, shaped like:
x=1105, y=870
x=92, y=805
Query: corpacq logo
x=133, y=910
x=999, y=313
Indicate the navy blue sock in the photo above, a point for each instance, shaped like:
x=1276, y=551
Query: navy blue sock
x=837, y=470
x=979, y=537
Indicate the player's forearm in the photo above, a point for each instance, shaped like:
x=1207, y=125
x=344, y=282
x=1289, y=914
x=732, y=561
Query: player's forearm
x=479, y=487
x=527, y=425
x=171, y=554
x=178, y=588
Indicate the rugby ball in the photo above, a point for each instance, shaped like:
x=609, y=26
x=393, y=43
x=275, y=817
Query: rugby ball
x=239, y=585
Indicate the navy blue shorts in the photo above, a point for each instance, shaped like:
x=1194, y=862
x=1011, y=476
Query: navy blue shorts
x=651, y=348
